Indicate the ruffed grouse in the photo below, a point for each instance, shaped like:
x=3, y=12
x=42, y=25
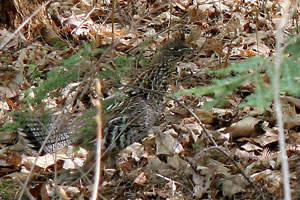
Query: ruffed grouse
x=129, y=121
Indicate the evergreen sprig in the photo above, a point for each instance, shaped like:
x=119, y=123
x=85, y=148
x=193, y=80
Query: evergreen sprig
x=251, y=72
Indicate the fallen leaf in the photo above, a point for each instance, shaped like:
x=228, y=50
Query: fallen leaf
x=141, y=179
x=247, y=127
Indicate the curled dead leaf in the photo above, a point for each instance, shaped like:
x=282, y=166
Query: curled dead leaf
x=266, y=139
x=166, y=144
x=206, y=116
x=248, y=127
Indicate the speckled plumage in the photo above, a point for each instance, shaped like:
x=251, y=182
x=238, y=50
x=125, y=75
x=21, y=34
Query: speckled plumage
x=129, y=121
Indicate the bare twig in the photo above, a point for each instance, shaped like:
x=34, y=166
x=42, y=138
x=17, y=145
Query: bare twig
x=99, y=142
x=10, y=37
x=278, y=59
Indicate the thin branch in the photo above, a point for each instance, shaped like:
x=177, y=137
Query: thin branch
x=99, y=142
x=10, y=37
x=277, y=104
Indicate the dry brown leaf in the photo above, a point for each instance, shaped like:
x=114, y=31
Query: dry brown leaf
x=164, y=18
x=141, y=179
x=213, y=46
x=223, y=113
x=206, y=116
x=247, y=53
x=232, y=185
x=292, y=100
x=72, y=191
x=10, y=80
x=203, y=182
x=135, y=151
x=166, y=144
x=182, y=4
x=273, y=180
x=9, y=162
x=181, y=165
x=193, y=128
x=261, y=49
x=17, y=175
x=247, y=127
x=172, y=118
x=266, y=139
x=291, y=121
x=8, y=137
x=156, y=165
x=243, y=154
x=251, y=147
x=290, y=117
x=71, y=159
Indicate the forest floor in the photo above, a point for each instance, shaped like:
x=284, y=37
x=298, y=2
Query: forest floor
x=228, y=151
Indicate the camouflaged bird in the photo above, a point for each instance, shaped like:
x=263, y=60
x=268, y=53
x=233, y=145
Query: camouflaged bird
x=128, y=121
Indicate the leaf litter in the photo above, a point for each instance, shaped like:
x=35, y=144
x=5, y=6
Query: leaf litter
x=176, y=160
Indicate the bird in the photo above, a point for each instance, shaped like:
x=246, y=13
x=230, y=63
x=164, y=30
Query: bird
x=128, y=121
x=125, y=124
x=56, y=131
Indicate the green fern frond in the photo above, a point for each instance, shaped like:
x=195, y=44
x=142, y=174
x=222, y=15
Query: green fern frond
x=71, y=70
x=290, y=77
x=221, y=89
x=262, y=96
x=244, y=67
x=250, y=71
